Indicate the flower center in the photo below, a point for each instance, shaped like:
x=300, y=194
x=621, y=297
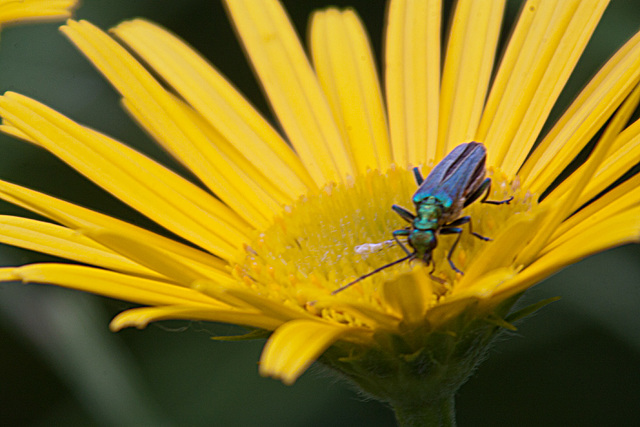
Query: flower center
x=333, y=237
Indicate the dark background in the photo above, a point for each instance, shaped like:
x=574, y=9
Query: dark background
x=575, y=363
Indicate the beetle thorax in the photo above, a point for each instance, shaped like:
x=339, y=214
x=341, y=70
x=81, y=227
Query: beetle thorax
x=428, y=214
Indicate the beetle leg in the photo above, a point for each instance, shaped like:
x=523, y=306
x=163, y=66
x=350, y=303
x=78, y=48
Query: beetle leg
x=453, y=228
x=462, y=221
x=435, y=278
x=458, y=231
x=487, y=182
x=418, y=176
x=405, y=214
x=485, y=188
x=403, y=232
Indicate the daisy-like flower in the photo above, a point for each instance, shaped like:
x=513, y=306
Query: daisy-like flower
x=19, y=11
x=282, y=220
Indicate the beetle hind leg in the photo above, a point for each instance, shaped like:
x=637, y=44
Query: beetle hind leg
x=485, y=188
x=451, y=229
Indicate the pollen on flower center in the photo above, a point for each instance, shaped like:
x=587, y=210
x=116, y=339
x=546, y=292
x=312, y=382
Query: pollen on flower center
x=332, y=237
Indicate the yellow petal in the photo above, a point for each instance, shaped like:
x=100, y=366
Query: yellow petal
x=441, y=314
x=615, y=166
x=586, y=115
x=272, y=307
x=135, y=179
x=623, y=155
x=615, y=201
x=63, y=242
x=172, y=127
x=412, y=80
x=501, y=253
x=345, y=66
x=566, y=205
x=292, y=88
x=108, y=283
x=479, y=296
x=157, y=259
x=362, y=311
x=30, y=10
x=410, y=295
x=467, y=69
x=7, y=128
x=278, y=194
x=218, y=102
x=541, y=55
x=609, y=233
x=294, y=346
x=78, y=218
x=483, y=288
x=141, y=317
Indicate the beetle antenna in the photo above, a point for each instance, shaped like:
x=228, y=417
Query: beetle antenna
x=371, y=273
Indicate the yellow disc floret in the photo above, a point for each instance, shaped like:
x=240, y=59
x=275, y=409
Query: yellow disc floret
x=332, y=237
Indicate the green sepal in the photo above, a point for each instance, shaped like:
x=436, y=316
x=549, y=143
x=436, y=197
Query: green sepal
x=418, y=372
x=528, y=310
x=253, y=335
x=499, y=321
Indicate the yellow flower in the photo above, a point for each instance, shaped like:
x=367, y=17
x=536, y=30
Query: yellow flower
x=15, y=11
x=297, y=216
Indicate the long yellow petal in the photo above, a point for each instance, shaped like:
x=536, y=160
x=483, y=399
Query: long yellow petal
x=78, y=218
x=270, y=306
x=621, y=198
x=292, y=88
x=31, y=10
x=562, y=208
x=141, y=317
x=63, y=242
x=500, y=253
x=294, y=346
x=135, y=179
x=157, y=259
x=588, y=113
x=614, y=231
x=277, y=192
x=543, y=50
x=470, y=56
x=616, y=164
x=482, y=289
x=110, y=284
x=172, y=127
x=345, y=66
x=218, y=102
x=412, y=80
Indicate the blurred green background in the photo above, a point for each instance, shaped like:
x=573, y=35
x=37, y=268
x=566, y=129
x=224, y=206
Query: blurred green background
x=576, y=363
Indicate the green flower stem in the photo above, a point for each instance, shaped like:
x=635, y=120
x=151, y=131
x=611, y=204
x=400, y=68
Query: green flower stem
x=439, y=413
x=419, y=371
